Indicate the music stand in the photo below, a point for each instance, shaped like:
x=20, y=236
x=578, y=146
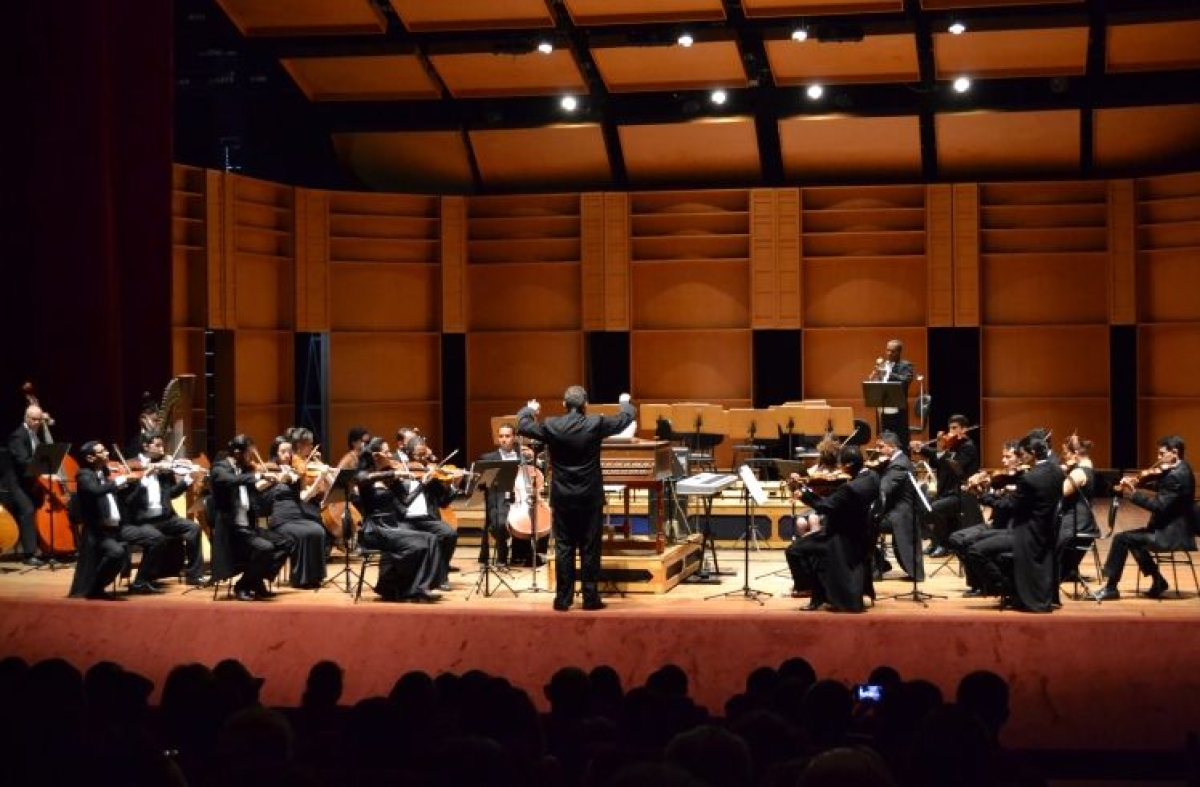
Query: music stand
x=916, y=594
x=693, y=423
x=497, y=476
x=47, y=460
x=753, y=494
x=880, y=394
x=341, y=485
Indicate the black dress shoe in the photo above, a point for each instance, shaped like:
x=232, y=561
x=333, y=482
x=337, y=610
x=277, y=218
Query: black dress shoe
x=452, y=569
x=103, y=596
x=594, y=604
x=974, y=593
x=1157, y=588
x=145, y=589
x=811, y=606
x=1106, y=594
x=196, y=581
x=940, y=552
x=33, y=560
x=561, y=606
x=929, y=549
x=445, y=586
x=243, y=595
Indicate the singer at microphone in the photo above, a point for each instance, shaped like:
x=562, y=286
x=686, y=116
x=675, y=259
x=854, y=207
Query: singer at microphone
x=892, y=368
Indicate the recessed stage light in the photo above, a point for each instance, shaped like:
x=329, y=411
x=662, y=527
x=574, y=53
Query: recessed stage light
x=962, y=85
x=569, y=103
x=814, y=92
x=800, y=34
x=719, y=97
x=685, y=39
x=956, y=28
x=545, y=47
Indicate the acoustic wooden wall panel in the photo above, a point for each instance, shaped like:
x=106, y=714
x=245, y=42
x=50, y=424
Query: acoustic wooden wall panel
x=192, y=254
x=368, y=296
x=968, y=293
x=939, y=223
x=383, y=419
x=617, y=255
x=454, y=264
x=1040, y=289
x=696, y=294
x=312, y=260
x=1122, y=253
x=775, y=258
x=264, y=374
x=592, y=228
x=837, y=360
x=1011, y=419
x=524, y=296
x=698, y=366
x=1054, y=361
x=787, y=257
x=384, y=367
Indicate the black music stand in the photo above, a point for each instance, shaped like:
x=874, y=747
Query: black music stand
x=916, y=594
x=784, y=468
x=752, y=493
x=47, y=460
x=342, y=483
x=880, y=394
x=497, y=477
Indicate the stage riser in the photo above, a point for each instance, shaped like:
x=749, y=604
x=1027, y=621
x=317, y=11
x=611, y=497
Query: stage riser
x=1101, y=683
x=643, y=573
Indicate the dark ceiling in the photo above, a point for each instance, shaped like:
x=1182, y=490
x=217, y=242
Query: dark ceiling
x=455, y=96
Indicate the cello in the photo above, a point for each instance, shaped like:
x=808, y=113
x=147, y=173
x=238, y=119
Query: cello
x=56, y=536
x=522, y=519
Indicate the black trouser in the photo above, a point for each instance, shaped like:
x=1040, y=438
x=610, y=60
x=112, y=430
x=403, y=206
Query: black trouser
x=263, y=558
x=152, y=542
x=187, y=531
x=805, y=557
x=983, y=558
x=21, y=507
x=1140, y=543
x=496, y=530
x=961, y=542
x=447, y=539
x=577, y=531
x=950, y=514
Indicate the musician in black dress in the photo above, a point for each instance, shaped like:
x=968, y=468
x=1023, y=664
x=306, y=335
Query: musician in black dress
x=835, y=560
x=955, y=459
x=411, y=564
x=101, y=555
x=576, y=488
x=1077, y=519
x=1172, y=522
x=294, y=514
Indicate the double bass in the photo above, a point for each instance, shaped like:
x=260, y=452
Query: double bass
x=56, y=536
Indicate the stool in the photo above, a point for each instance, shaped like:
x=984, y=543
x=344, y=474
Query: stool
x=369, y=557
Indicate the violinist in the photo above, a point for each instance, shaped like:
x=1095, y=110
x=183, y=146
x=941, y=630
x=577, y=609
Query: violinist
x=892, y=368
x=411, y=563
x=1034, y=503
x=1078, y=492
x=426, y=493
x=1172, y=519
x=236, y=538
x=18, y=492
x=822, y=477
x=954, y=459
x=102, y=555
x=149, y=503
x=897, y=512
x=834, y=562
x=356, y=440
x=992, y=538
x=295, y=518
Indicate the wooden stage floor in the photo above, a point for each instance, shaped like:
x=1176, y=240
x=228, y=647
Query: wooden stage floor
x=1087, y=676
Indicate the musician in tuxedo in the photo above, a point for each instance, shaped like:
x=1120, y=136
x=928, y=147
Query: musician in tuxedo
x=149, y=504
x=954, y=459
x=834, y=561
x=576, y=487
x=892, y=368
x=897, y=507
x=237, y=542
x=1034, y=504
x=101, y=554
x=426, y=494
x=18, y=493
x=1172, y=523
x=993, y=536
x=499, y=502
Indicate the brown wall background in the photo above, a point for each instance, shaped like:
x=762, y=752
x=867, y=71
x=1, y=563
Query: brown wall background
x=1041, y=269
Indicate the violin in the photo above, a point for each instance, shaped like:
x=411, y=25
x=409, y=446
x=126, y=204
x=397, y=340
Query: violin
x=1145, y=479
x=996, y=481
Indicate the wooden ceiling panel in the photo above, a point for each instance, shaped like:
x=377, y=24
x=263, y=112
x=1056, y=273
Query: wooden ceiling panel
x=770, y=8
x=934, y=5
x=1154, y=46
x=483, y=75
x=1137, y=138
x=1060, y=51
x=304, y=17
x=424, y=16
x=882, y=58
x=425, y=161
x=1007, y=143
x=550, y=155
x=842, y=146
x=705, y=64
x=366, y=78
x=615, y=12
x=714, y=150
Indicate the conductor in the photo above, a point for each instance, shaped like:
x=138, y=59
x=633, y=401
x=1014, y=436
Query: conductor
x=576, y=487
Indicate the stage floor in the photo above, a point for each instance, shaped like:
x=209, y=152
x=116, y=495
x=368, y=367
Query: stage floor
x=1087, y=676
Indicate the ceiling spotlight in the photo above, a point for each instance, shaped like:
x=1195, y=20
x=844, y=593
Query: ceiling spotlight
x=956, y=28
x=545, y=47
x=800, y=34
x=962, y=85
x=685, y=39
x=569, y=103
x=814, y=92
x=719, y=97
